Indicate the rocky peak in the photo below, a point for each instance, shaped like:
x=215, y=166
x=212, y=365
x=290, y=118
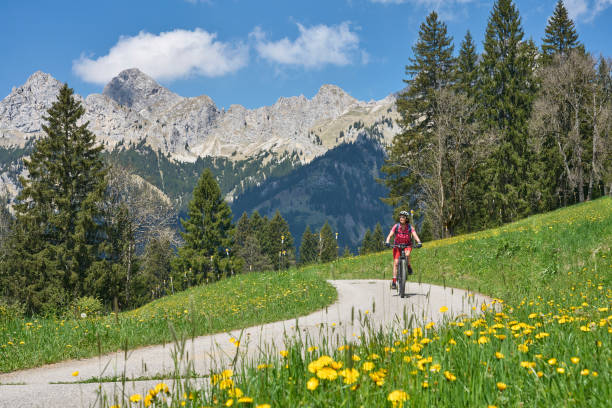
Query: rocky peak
x=134, y=89
x=333, y=97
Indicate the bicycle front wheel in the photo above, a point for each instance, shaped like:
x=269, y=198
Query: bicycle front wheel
x=402, y=277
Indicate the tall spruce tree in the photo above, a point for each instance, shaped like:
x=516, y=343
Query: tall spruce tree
x=560, y=34
x=208, y=233
x=308, y=247
x=328, y=247
x=279, y=243
x=366, y=243
x=506, y=93
x=58, y=219
x=466, y=76
x=430, y=69
x=378, y=239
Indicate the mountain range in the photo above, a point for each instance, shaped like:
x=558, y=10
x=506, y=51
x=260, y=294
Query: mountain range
x=168, y=139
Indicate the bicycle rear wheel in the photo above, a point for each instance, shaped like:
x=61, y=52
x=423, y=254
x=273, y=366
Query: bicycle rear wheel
x=402, y=277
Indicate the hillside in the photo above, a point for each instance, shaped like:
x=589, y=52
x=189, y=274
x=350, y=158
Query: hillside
x=339, y=186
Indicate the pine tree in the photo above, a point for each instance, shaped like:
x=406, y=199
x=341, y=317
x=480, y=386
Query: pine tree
x=366, y=243
x=560, y=34
x=430, y=69
x=308, y=247
x=466, y=75
x=506, y=93
x=378, y=239
x=208, y=233
x=279, y=243
x=243, y=230
x=328, y=247
x=58, y=217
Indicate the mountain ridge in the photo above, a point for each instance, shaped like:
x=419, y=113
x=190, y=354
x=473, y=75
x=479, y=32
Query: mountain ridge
x=134, y=107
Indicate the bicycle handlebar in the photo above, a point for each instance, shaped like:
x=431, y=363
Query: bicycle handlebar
x=404, y=246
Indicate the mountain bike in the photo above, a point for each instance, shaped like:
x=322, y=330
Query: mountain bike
x=403, y=269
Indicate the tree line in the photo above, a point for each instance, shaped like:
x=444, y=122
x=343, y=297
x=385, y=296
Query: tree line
x=488, y=139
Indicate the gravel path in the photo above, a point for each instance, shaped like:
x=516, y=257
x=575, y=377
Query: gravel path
x=371, y=298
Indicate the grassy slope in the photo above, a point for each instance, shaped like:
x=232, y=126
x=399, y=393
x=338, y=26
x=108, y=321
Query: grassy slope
x=530, y=256
x=243, y=301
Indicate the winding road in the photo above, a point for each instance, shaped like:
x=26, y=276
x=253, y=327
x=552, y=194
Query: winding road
x=360, y=302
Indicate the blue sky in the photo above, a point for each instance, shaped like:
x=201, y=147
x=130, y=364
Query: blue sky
x=250, y=52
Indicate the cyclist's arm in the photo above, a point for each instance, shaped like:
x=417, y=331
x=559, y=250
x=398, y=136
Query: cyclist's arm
x=415, y=236
x=390, y=235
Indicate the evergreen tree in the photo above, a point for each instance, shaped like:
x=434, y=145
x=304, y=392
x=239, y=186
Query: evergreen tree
x=466, y=76
x=58, y=216
x=278, y=244
x=507, y=90
x=308, y=248
x=243, y=230
x=253, y=256
x=208, y=232
x=560, y=34
x=347, y=252
x=366, y=244
x=153, y=279
x=378, y=239
x=430, y=69
x=328, y=247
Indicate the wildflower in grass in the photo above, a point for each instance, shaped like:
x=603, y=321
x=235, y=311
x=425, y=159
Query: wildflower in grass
x=594, y=374
x=585, y=372
x=378, y=376
x=499, y=355
x=373, y=356
x=449, y=376
x=327, y=373
x=226, y=383
x=575, y=360
x=228, y=403
x=452, y=341
x=263, y=366
x=262, y=406
x=552, y=361
x=561, y=370
x=245, y=400
x=235, y=392
x=136, y=398
x=398, y=397
x=528, y=364
x=75, y=373
x=468, y=333
x=435, y=368
x=501, y=386
x=540, y=374
x=443, y=309
x=356, y=357
x=367, y=366
x=523, y=348
x=312, y=384
x=350, y=375
x=483, y=340
x=430, y=325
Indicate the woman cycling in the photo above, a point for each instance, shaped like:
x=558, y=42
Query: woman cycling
x=404, y=233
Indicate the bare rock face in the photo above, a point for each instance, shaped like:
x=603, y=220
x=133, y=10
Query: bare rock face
x=22, y=111
x=138, y=91
x=133, y=107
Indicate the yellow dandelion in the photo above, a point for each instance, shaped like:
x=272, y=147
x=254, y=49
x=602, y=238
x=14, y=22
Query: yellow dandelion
x=245, y=400
x=397, y=397
x=449, y=376
x=552, y=361
x=367, y=366
x=312, y=384
x=327, y=373
x=468, y=333
x=136, y=398
x=75, y=373
x=501, y=386
x=262, y=406
x=284, y=353
x=443, y=309
x=499, y=355
x=483, y=340
x=585, y=372
x=228, y=403
x=561, y=370
x=575, y=360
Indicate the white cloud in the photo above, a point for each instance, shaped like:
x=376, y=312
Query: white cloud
x=586, y=10
x=167, y=56
x=315, y=47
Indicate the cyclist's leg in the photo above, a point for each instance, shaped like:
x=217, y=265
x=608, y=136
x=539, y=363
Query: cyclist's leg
x=395, y=263
x=408, y=251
